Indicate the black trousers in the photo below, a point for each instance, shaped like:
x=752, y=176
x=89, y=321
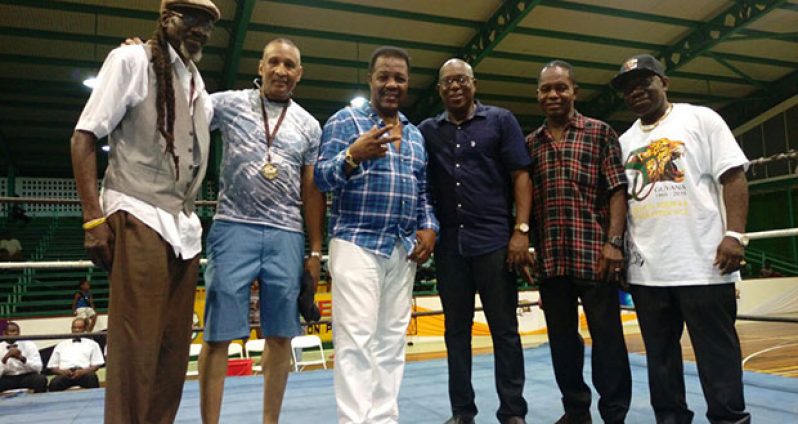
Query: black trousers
x=61, y=382
x=709, y=312
x=459, y=279
x=610, y=361
x=31, y=380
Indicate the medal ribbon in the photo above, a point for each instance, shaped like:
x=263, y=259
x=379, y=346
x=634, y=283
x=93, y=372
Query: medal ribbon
x=270, y=136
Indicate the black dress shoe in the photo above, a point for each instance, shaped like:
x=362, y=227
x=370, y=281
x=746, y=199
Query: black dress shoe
x=459, y=419
x=514, y=420
x=575, y=419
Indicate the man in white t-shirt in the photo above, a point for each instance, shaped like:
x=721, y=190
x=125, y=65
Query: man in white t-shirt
x=75, y=361
x=683, y=256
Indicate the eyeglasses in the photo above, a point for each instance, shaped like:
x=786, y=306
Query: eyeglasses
x=461, y=80
x=195, y=19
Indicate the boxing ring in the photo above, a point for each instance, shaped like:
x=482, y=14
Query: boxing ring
x=423, y=398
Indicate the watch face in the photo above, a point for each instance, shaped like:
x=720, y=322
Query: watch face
x=523, y=227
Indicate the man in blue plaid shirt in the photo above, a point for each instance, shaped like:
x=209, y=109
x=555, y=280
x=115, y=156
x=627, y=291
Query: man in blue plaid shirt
x=373, y=161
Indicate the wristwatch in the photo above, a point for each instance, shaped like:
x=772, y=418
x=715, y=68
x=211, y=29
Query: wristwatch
x=522, y=227
x=740, y=237
x=350, y=160
x=315, y=254
x=616, y=242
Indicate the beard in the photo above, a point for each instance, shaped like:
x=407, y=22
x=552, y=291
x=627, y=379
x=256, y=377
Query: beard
x=194, y=57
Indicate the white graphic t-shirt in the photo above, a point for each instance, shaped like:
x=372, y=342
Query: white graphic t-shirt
x=675, y=221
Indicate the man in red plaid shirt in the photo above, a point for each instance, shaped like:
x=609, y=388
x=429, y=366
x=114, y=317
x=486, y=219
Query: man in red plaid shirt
x=578, y=216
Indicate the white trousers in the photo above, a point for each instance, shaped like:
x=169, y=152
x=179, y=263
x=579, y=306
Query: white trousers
x=371, y=299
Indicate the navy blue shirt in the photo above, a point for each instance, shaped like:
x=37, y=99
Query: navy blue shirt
x=469, y=178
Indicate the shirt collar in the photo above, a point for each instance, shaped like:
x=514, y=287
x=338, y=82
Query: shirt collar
x=366, y=109
x=577, y=121
x=199, y=84
x=479, y=111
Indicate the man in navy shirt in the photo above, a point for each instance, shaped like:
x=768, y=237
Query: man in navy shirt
x=478, y=167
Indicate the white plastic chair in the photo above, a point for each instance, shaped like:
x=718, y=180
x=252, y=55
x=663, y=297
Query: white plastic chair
x=303, y=342
x=236, y=350
x=255, y=346
x=194, y=350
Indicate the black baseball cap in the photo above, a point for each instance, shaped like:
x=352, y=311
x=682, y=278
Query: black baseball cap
x=636, y=65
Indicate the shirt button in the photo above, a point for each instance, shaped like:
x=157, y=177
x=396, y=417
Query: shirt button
x=457, y=165
x=457, y=184
x=191, y=133
x=459, y=205
x=462, y=226
x=458, y=146
x=190, y=149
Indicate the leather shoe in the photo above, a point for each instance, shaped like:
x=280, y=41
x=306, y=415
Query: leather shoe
x=459, y=419
x=575, y=419
x=514, y=420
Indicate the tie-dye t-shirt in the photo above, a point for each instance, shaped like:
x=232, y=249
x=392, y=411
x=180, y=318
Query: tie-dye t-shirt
x=245, y=194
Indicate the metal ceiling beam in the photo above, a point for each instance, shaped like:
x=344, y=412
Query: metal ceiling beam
x=642, y=16
x=93, y=9
x=523, y=57
x=235, y=44
x=697, y=42
x=112, y=41
x=329, y=35
x=358, y=64
x=737, y=71
x=759, y=102
x=6, y=152
x=383, y=12
x=482, y=44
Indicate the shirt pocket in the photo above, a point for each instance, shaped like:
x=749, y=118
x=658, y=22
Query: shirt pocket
x=582, y=170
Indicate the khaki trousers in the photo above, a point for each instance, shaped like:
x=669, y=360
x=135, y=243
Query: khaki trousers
x=149, y=325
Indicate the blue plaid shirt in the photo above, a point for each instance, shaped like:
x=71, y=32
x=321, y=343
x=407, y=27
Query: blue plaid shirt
x=384, y=199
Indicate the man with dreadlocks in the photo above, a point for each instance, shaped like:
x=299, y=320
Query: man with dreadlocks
x=151, y=102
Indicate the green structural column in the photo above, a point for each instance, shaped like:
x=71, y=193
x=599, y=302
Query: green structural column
x=11, y=183
x=792, y=224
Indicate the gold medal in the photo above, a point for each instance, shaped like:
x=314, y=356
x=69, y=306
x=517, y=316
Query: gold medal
x=269, y=171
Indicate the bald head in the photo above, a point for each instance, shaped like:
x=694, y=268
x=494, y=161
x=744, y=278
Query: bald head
x=457, y=86
x=461, y=65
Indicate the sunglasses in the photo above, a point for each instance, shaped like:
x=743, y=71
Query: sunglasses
x=193, y=18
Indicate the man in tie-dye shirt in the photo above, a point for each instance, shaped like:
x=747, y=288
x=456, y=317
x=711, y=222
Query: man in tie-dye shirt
x=270, y=147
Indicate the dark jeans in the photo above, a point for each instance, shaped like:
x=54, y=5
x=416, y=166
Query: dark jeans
x=709, y=312
x=31, y=380
x=610, y=360
x=459, y=279
x=61, y=382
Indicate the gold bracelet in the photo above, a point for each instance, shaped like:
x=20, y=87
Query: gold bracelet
x=94, y=223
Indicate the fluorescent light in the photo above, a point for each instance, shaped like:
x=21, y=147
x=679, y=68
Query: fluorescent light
x=90, y=82
x=106, y=148
x=358, y=101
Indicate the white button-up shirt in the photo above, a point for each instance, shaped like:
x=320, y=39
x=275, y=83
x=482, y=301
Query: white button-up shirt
x=123, y=83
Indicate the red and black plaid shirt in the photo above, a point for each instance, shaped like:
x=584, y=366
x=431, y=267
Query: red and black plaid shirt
x=572, y=180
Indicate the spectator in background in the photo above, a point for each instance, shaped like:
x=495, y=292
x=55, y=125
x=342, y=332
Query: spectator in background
x=18, y=214
x=21, y=365
x=10, y=248
x=767, y=272
x=83, y=305
x=75, y=361
x=254, y=308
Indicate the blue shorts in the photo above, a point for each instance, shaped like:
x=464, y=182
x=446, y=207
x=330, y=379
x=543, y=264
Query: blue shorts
x=238, y=253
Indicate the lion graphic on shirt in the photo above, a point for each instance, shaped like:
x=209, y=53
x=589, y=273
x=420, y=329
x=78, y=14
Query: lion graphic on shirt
x=652, y=164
